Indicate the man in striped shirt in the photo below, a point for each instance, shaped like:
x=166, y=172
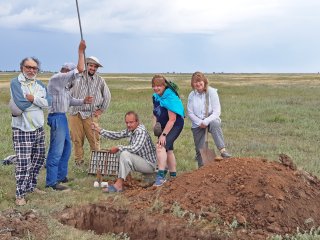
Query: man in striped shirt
x=139, y=155
x=60, y=143
x=88, y=84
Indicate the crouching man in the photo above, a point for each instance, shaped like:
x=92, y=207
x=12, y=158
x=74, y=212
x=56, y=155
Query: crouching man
x=139, y=155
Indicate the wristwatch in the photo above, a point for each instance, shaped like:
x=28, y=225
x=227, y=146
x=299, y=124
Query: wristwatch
x=164, y=134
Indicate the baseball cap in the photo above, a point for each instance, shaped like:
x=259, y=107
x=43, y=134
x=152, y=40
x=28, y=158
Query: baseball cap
x=70, y=66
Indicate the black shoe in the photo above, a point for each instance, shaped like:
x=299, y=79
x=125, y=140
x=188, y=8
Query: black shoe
x=59, y=187
x=65, y=180
x=79, y=163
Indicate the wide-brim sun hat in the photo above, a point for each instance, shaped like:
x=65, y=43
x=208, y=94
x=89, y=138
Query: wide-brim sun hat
x=93, y=60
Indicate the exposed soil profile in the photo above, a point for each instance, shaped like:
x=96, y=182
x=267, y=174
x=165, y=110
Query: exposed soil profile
x=237, y=198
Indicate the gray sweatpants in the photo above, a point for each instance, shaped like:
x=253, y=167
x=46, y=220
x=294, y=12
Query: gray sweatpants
x=131, y=162
x=199, y=138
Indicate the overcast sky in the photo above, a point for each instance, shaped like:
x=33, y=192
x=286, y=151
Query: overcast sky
x=165, y=35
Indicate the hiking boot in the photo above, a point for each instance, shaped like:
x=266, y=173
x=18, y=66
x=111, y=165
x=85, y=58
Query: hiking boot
x=225, y=154
x=59, y=187
x=159, y=181
x=20, y=201
x=37, y=190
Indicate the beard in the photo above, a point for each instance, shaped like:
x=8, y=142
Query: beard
x=28, y=77
x=90, y=74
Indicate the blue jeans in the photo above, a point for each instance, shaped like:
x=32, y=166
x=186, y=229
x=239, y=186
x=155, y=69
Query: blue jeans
x=59, y=149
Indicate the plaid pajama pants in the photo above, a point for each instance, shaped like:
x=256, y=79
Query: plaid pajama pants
x=30, y=151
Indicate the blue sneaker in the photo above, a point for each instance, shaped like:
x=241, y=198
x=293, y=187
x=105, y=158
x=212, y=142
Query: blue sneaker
x=159, y=181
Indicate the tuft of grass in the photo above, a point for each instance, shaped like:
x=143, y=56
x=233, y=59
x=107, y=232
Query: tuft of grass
x=312, y=234
x=234, y=224
x=157, y=206
x=177, y=211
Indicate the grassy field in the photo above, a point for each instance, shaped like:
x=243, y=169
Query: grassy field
x=263, y=115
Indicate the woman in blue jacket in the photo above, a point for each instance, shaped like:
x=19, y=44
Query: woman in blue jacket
x=168, y=111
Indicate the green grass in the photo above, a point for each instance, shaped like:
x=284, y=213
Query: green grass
x=263, y=115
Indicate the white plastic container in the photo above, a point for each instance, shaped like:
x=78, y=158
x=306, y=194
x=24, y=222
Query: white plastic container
x=96, y=184
x=104, y=184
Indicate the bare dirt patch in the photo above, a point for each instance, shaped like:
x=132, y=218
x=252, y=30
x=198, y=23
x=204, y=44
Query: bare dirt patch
x=17, y=225
x=238, y=198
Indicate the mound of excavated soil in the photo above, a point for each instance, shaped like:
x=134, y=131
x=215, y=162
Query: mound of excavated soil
x=263, y=197
x=17, y=225
x=238, y=198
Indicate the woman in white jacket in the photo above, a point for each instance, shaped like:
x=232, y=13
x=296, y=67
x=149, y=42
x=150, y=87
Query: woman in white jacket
x=197, y=113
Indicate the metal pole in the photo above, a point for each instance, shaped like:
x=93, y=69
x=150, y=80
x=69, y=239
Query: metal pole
x=79, y=19
x=85, y=59
x=86, y=70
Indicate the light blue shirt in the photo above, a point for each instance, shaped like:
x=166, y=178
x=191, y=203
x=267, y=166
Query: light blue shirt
x=32, y=116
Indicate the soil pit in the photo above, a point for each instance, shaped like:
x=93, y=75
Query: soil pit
x=135, y=224
x=238, y=198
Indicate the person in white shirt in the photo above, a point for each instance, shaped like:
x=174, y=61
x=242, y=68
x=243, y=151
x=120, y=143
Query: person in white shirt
x=197, y=113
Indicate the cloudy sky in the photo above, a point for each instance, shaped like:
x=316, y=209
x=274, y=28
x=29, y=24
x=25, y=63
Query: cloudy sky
x=165, y=35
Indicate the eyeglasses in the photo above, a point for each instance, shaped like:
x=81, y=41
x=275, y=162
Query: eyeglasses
x=131, y=122
x=32, y=68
